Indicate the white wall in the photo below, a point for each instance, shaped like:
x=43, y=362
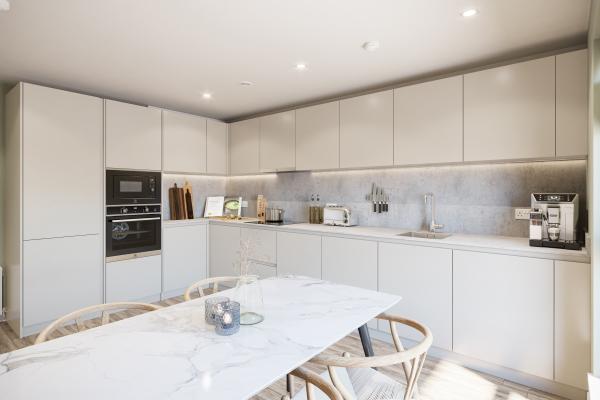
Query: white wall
x=3, y=89
x=594, y=177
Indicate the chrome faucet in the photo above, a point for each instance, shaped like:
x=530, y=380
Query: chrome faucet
x=432, y=225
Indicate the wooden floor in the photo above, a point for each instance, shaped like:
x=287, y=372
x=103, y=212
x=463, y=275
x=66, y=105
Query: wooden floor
x=440, y=380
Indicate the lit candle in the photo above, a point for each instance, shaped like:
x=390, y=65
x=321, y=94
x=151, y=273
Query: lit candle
x=228, y=318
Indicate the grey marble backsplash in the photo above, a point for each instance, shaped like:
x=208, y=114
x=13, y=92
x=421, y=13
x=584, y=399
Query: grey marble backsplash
x=478, y=199
x=202, y=186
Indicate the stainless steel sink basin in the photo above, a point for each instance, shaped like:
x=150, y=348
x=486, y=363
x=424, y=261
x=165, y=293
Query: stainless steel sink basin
x=425, y=235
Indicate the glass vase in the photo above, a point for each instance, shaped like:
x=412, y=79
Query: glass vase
x=249, y=294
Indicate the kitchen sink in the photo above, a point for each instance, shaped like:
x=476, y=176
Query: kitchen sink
x=425, y=235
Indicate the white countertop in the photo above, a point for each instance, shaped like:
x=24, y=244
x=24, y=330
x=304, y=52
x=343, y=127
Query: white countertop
x=173, y=354
x=517, y=246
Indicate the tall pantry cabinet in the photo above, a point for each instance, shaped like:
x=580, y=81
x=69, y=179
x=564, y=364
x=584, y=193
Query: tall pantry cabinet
x=53, y=204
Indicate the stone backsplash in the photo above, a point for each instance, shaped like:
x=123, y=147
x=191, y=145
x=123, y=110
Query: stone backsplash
x=478, y=199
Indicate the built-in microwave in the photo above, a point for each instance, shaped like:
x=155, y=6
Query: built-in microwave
x=132, y=187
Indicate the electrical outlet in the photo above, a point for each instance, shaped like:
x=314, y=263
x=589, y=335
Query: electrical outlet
x=522, y=213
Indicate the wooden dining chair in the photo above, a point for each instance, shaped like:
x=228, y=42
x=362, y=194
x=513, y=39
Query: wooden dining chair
x=313, y=380
x=200, y=285
x=356, y=378
x=78, y=315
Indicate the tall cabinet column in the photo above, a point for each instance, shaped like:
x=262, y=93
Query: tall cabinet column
x=58, y=137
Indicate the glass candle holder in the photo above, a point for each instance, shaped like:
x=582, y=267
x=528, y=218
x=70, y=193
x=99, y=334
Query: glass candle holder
x=227, y=318
x=209, y=308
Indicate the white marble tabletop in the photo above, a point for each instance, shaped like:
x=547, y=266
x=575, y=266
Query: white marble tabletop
x=172, y=354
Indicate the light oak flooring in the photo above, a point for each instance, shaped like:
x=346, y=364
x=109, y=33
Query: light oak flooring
x=440, y=380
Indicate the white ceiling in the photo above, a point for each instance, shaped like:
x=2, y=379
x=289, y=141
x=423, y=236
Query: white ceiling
x=168, y=52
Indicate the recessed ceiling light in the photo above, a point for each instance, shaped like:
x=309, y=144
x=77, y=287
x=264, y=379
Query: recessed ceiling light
x=471, y=12
x=301, y=66
x=206, y=95
x=246, y=83
x=4, y=5
x=371, y=45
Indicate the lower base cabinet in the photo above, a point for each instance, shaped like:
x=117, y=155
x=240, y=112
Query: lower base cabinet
x=184, y=253
x=350, y=262
x=423, y=277
x=224, y=250
x=298, y=254
x=572, y=324
x=134, y=279
x=263, y=271
x=504, y=311
x=59, y=276
x=261, y=244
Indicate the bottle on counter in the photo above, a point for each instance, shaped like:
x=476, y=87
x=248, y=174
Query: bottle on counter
x=319, y=210
x=311, y=209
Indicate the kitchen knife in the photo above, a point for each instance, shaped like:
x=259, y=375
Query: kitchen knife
x=374, y=198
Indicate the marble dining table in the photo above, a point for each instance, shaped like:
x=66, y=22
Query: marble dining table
x=172, y=353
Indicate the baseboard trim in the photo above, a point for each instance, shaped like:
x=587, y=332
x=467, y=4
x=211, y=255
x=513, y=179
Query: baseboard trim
x=522, y=378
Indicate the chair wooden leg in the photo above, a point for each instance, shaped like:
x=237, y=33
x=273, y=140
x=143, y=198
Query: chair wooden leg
x=289, y=384
x=399, y=348
x=417, y=366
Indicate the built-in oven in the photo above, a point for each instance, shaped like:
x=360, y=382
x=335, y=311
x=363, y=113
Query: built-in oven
x=132, y=231
x=132, y=187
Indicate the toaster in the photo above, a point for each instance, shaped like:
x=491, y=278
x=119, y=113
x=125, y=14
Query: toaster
x=338, y=215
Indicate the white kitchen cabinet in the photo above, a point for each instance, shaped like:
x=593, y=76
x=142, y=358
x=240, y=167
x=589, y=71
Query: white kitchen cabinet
x=572, y=103
x=59, y=276
x=422, y=276
x=428, y=122
x=216, y=147
x=298, y=254
x=278, y=142
x=224, y=244
x=504, y=311
x=184, y=252
x=136, y=279
x=509, y=112
x=263, y=271
x=62, y=163
x=318, y=137
x=184, y=142
x=367, y=130
x=244, y=144
x=350, y=262
x=133, y=136
x=572, y=324
x=262, y=244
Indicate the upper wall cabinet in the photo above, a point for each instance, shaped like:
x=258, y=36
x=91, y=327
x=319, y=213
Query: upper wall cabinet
x=428, y=122
x=509, y=112
x=216, y=147
x=62, y=144
x=572, y=103
x=318, y=137
x=277, y=142
x=133, y=136
x=367, y=130
x=184, y=141
x=244, y=139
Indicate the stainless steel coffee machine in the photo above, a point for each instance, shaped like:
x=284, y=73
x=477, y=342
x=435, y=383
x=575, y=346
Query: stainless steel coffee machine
x=553, y=220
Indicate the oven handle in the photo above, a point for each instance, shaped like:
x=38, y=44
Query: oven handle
x=135, y=219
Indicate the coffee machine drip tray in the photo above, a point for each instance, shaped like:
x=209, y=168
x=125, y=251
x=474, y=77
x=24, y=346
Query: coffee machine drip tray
x=567, y=245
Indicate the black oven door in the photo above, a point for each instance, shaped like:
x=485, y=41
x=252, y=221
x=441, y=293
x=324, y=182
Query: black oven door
x=132, y=235
x=132, y=187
